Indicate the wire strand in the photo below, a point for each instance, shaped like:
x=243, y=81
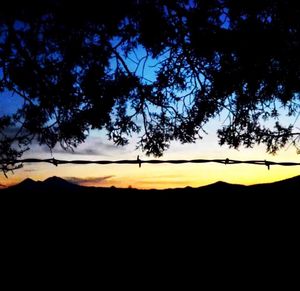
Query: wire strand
x=139, y=162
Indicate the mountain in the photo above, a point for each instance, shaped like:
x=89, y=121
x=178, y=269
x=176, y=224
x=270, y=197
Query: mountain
x=56, y=185
x=219, y=204
x=59, y=183
x=221, y=186
x=283, y=185
x=50, y=184
x=27, y=183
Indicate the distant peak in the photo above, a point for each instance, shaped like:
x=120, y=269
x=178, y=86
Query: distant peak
x=221, y=183
x=58, y=182
x=28, y=180
x=27, y=183
x=54, y=178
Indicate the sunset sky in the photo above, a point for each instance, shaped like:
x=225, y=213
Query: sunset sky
x=97, y=147
x=159, y=176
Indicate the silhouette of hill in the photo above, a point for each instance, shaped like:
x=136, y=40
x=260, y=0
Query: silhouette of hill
x=58, y=184
x=216, y=206
x=54, y=186
x=290, y=184
x=50, y=184
x=221, y=186
x=27, y=184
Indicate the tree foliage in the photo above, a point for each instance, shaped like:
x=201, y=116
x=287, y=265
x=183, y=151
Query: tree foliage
x=158, y=68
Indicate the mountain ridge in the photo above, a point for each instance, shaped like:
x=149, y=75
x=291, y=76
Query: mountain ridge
x=55, y=182
x=58, y=183
x=217, y=201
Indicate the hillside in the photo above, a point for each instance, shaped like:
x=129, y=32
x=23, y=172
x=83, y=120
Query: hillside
x=56, y=201
x=58, y=186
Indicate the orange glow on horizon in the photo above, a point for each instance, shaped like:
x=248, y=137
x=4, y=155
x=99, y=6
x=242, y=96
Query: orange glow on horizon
x=161, y=176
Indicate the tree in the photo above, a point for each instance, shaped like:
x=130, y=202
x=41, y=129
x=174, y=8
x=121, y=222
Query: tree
x=159, y=68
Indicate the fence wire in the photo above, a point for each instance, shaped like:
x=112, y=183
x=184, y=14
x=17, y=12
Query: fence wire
x=139, y=162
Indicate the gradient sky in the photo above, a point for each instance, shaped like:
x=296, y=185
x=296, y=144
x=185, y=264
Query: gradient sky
x=97, y=147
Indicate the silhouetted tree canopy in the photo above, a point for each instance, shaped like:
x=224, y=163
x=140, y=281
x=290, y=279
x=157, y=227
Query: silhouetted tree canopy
x=158, y=68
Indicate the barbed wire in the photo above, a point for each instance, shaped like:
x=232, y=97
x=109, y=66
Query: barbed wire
x=139, y=162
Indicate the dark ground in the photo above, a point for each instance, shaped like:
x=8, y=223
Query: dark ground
x=56, y=197
x=215, y=227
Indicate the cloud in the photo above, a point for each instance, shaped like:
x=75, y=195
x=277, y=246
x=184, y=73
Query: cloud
x=88, y=180
x=96, y=147
x=11, y=132
x=30, y=170
x=2, y=186
x=91, y=147
x=105, y=145
x=85, y=152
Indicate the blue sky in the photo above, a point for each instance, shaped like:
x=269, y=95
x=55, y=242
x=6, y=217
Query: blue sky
x=97, y=147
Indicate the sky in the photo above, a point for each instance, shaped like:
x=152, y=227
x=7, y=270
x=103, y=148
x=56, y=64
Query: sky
x=159, y=176
x=149, y=176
